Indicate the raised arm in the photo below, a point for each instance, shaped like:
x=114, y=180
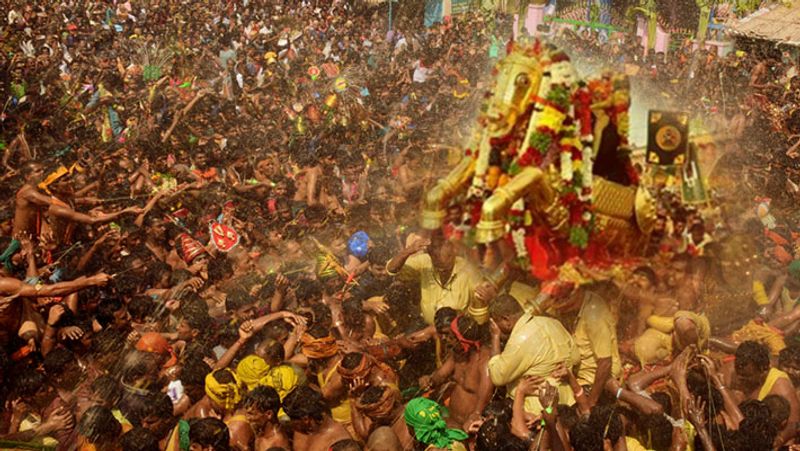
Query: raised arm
x=33, y=196
x=15, y=287
x=731, y=407
x=278, y=297
x=602, y=375
x=67, y=213
x=695, y=409
x=559, y=440
x=641, y=403
x=87, y=257
x=245, y=332
x=32, y=270
x=398, y=261
x=262, y=321
x=519, y=425
x=638, y=382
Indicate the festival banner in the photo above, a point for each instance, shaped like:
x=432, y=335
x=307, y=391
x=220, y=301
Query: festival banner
x=667, y=137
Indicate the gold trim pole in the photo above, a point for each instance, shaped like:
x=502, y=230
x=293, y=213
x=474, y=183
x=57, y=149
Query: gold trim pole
x=434, y=207
x=494, y=212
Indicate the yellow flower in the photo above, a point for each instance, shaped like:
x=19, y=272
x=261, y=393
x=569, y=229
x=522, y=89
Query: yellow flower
x=550, y=118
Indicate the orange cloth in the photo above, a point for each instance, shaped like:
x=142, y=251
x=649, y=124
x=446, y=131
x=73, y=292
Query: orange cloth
x=319, y=348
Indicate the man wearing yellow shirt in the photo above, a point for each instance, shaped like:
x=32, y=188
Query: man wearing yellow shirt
x=536, y=346
x=446, y=280
x=596, y=339
x=755, y=378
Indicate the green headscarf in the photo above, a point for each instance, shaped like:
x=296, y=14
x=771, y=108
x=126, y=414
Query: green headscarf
x=794, y=270
x=5, y=257
x=425, y=416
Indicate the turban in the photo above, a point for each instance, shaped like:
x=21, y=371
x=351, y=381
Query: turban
x=361, y=370
x=190, y=248
x=425, y=417
x=282, y=378
x=226, y=395
x=380, y=409
x=466, y=343
x=56, y=175
x=251, y=369
x=319, y=348
x=5, y=257
x=358, y=244
x=155, y=343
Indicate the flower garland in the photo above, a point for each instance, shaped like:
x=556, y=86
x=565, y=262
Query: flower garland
x=551, y=114
x=555, y=127
x=575, y=193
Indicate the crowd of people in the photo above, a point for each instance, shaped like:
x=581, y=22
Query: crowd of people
x=212, y=244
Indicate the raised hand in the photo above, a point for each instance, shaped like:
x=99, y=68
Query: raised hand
x=711, y=369
x=548, y=395
x=246, y=330
x=71, y=332
x=681, y=364
x=425, y=382
x=60, y=420
x=494, y=329
x=295, y=320
x=55, y=313
x=529, y=385
x=357, y=385
x=696, y=412
x=100, y=278
x=26, y=243
x=17, y=407
x=133, y=210
x=281, y=281
x=172, y=305
x=133, y=337
x=376, y=305
x=112, y=234
x=418, y=245
x=485, y=291
x=195, y=283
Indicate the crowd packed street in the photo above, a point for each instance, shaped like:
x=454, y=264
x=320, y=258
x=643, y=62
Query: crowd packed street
x=217, y=236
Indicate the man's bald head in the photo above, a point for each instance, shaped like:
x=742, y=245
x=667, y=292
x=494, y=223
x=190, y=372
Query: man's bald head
x=384, y=439
x=685, y=332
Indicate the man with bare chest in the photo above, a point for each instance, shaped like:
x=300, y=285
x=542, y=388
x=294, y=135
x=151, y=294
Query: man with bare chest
x=314, y=428
x=31, y=206
x=468, y=368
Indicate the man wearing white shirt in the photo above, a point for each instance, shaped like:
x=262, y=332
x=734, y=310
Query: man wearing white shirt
x=421, y=71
